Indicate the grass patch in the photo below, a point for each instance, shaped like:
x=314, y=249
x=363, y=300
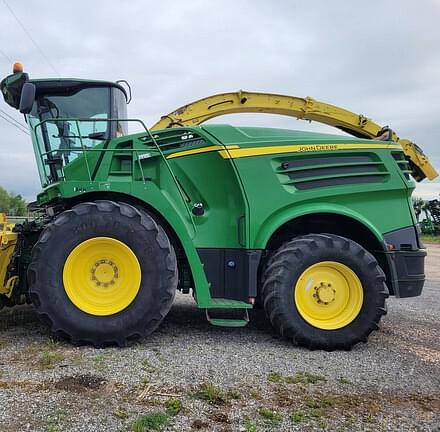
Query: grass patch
x=430, y=239
x=154, y=421
x=299, y=417
x=233, y=394
x=120, y=413
x=211, y=393
x=53, y=343
x=304, y=378
x=54, y=421
x=343, y=380
x=99, y=362
x=315, y=413
x=275, y=377
x=48, y=359
x=270, y=416
x=249, y=426
x=315, y=408
x=320, y=401
x=370, y=418
x=173, y=406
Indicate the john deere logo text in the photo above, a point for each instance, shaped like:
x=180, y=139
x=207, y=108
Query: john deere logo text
x=313, y=148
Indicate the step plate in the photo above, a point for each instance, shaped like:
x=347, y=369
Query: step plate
x=225, y=322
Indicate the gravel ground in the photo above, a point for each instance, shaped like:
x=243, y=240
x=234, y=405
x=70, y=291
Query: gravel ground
x=191, y=376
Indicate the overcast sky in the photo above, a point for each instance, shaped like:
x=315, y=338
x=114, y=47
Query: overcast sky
x=378, y=58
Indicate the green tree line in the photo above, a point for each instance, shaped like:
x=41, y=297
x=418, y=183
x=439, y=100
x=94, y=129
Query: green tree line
x=12, y=204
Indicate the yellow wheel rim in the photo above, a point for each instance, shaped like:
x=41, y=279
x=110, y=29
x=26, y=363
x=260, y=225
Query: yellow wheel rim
x=102, y=276
x=329, y=295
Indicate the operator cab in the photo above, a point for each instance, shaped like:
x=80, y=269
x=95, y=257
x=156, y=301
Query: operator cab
x=70, y=115
x=67, y=117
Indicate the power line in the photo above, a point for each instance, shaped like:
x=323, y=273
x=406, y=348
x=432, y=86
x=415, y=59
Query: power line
x=5, y=56
x=14, y=124
x=13, y=119
x=31, y=38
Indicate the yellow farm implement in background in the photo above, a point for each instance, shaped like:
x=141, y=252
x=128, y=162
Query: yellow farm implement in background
x=8, y=241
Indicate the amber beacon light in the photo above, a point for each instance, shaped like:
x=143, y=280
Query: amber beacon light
x=18, y=67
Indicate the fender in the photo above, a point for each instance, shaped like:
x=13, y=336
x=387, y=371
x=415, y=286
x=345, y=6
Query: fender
x=281, y=217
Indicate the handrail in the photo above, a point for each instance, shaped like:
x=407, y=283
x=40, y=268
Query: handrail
x=85, y=149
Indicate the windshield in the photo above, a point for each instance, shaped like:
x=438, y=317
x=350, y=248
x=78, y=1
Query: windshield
x=69, y=126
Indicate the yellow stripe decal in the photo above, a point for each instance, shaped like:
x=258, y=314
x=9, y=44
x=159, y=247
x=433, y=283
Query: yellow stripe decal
x=201, y=150
x=309, y=148
x=234, y=151
x=195, y=151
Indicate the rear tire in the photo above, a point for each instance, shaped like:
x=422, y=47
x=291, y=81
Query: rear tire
x=324, y=291
x=124, y=293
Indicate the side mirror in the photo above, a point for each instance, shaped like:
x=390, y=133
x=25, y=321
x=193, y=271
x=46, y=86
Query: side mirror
x=27, y=98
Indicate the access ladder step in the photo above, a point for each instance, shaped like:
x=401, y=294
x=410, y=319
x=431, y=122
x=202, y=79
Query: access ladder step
x=222, y=303
x=229, y=322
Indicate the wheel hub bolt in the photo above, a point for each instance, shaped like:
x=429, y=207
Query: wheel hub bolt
x=324, y=293
x=104, y=273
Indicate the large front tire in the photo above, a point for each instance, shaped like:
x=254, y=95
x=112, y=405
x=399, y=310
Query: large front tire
x=324, y=291
x=103, y=273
